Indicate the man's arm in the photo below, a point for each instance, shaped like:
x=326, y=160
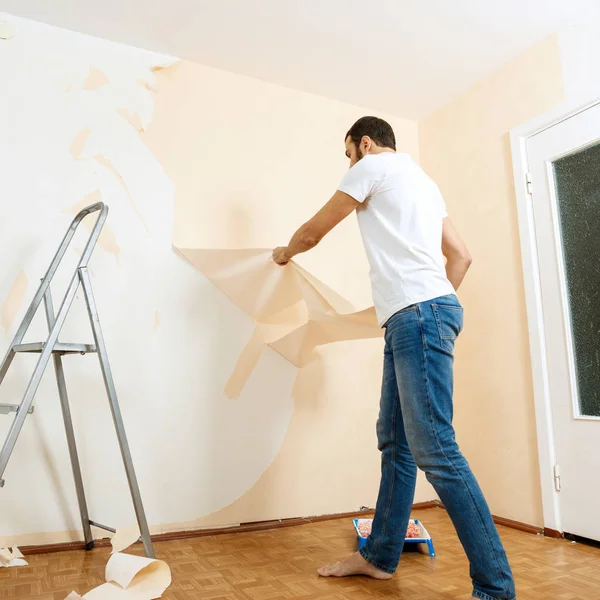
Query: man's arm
x=457, y=255
x=313, y=231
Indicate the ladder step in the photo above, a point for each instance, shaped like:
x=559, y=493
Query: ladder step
x=106, y=528
x=8, y=408
x=59, y=347
x=100, y=526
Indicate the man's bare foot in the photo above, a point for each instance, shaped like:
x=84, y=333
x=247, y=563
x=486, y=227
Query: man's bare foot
x=353, y=565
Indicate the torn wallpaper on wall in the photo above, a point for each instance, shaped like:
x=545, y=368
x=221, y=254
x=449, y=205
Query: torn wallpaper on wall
x=293, y=311
x=114, y=124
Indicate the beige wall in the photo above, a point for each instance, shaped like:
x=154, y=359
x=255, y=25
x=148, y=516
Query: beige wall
x=252, y=161
x=234, y=162
x=465, y=148
x=225, y=161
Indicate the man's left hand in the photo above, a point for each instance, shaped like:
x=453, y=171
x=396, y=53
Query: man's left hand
x=280, y=255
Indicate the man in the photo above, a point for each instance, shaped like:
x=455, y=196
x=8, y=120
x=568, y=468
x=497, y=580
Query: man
x=407, y=234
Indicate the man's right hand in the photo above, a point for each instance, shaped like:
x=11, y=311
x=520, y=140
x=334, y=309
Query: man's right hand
x=280, y=256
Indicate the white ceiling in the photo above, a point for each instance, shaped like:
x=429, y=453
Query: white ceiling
x=405, y=57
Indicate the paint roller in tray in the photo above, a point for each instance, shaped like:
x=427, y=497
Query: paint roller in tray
x=416, y=534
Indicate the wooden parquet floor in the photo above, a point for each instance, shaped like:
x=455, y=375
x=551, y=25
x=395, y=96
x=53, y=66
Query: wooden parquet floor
x=281, y=564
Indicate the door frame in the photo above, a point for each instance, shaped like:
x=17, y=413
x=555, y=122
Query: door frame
x=534, y=306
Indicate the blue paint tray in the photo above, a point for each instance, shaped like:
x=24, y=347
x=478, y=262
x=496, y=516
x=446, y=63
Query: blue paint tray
x=425, y=538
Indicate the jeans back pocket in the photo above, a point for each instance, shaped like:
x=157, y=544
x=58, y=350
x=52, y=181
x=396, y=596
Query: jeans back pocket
x=449, y=320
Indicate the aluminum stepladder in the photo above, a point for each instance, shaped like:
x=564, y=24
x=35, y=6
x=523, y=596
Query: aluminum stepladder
x=52, y=347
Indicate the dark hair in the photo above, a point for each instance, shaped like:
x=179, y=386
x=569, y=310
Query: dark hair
x=378, y=130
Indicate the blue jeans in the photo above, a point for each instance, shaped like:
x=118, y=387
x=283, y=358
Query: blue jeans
x=415, y=429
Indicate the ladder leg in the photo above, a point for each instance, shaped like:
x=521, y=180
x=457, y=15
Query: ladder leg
x=116, y=412
x=19, y=420
x=75, y=466
x=45, y=282
x=10, y=355
x=36, y=377
x=66, y=411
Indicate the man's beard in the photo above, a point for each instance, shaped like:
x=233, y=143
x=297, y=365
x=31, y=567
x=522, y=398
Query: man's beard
x=359, y=154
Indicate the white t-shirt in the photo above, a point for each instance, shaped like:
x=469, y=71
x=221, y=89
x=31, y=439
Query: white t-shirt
x=400, y=219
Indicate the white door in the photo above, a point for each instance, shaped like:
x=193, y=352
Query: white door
x=564, y=165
